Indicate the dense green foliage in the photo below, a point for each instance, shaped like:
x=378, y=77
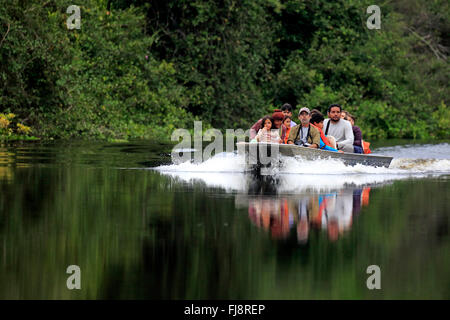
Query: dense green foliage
x=138, y=69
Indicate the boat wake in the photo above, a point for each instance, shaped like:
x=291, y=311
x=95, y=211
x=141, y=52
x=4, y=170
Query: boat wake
x=226, y=170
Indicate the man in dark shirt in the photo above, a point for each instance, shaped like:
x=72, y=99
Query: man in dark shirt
x=357, y=142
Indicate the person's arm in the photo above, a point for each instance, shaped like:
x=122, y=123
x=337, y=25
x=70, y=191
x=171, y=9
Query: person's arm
x=292, y=135
x=358, y=136
x=348, y=132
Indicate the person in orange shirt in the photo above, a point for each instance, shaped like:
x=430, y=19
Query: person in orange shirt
x=285, y=128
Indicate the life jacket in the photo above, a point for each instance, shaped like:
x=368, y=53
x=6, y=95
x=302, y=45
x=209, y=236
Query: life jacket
x=288, y=131
x=286, y=137
x=284, y=133
x=366, y=146
x=323, y=137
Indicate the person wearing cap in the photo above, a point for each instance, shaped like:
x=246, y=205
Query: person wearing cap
x=304, y=134
x=339, y=128
x=277, y=117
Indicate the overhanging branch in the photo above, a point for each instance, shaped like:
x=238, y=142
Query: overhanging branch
x=4, y=37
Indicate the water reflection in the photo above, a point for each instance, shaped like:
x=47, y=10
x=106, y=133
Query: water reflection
x=150, y=234
x=332, y=212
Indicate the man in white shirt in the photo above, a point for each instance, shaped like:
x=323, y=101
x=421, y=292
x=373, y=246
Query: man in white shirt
x=339, y=128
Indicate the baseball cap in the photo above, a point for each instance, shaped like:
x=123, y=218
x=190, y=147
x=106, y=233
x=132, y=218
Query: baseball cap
x=304, y=109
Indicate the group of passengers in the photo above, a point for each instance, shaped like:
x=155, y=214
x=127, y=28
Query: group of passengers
x=336, y=133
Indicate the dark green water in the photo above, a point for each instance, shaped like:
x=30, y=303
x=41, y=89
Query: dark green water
x=144, y=234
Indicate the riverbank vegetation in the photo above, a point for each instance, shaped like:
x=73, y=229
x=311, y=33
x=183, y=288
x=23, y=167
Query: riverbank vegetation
x=138, y=69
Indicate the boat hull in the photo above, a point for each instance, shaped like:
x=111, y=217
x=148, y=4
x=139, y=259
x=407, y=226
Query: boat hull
x=259, y=155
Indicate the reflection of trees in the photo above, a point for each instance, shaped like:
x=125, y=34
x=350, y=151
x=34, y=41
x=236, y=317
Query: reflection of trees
x=6, y=163
x=332, y=213
x=54, y=216
x=67, y=204
x=138, y=234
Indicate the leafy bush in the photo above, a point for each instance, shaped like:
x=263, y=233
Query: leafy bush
x=140, y=69
x=10, y=129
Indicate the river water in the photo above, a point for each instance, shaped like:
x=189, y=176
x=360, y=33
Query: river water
x=140, y=227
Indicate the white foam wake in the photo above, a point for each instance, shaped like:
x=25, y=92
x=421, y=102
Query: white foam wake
x=231, y=162
x=226, y=170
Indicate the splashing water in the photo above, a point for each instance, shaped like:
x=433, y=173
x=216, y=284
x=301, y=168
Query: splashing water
x=226, y=170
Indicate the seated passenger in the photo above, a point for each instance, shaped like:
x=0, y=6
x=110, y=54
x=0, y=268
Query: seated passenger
x=357, y=143
x=285, y=128
x=315, y=111
x=277, y=117
x=304, y=134
x=339, y=128
x=344, y=114
x=317, y=121
x=267, y=134
x=287, y=111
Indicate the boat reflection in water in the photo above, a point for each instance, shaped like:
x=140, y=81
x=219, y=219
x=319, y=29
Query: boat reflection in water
x=332, y=212
x=303, y=197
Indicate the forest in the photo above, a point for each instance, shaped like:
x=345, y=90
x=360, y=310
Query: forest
x=140, y=69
